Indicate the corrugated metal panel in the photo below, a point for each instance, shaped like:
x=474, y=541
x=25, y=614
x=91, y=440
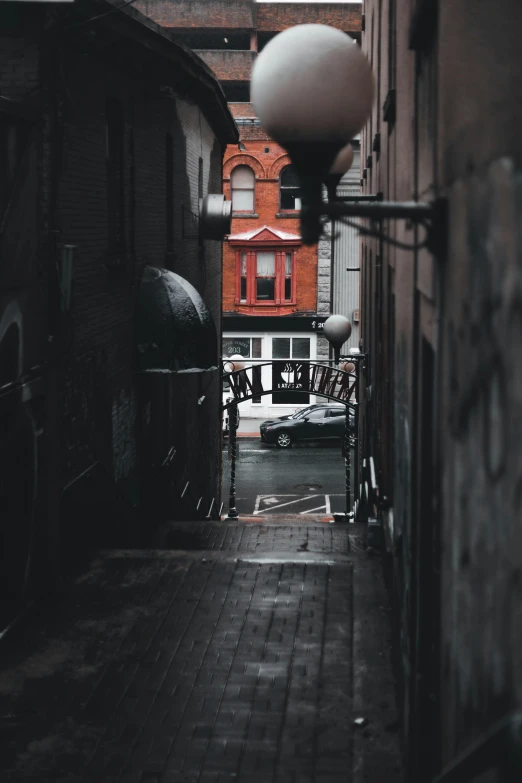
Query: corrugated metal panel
x=345, y=295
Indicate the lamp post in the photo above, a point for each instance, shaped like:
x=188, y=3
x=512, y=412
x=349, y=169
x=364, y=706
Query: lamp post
x=313, y=108
x=337, y=329
x=235, y=363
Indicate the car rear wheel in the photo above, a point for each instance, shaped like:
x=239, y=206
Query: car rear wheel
x=283, y=440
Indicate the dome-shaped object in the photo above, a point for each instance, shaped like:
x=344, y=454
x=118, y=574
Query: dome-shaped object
x=235, y=362
x=343, y=161
x=174, y=328
x=312, y=83
x=337, y=329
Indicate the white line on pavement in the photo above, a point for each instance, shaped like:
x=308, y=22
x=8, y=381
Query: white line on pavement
x=288, y=503
x=317, y=508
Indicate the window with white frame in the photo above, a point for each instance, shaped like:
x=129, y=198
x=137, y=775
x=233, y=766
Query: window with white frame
x=242, y=186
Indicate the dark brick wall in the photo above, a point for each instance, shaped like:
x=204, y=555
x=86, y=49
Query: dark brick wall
x=441, y=336
x=104, y=302
x=239, y=14
x=248, y=15
x=229, y=65
x=278, y=16
x=108, y=431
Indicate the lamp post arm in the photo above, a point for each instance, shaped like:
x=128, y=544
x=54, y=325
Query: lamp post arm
x=416, y=211
x=432, y=215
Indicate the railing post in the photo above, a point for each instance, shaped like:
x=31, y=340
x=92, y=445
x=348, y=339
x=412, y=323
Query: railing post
x=347, y=461
x=232, y=427
x=356, y=437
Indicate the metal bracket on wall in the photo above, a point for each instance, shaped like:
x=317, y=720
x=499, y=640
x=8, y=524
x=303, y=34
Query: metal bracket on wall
x=432, y=216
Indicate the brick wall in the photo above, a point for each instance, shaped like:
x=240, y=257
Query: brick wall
x=104, y=302
x=108, y=430
x=200, y=14
x=246, y=14
x=442, y=335
x=19, y=68
x=279, y=16
x=267, y=166
x=228, y=65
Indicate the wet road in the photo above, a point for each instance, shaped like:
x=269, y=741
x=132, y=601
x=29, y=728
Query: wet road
x=302, y=480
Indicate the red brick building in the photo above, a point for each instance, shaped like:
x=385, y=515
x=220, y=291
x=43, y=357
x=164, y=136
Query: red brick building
x=271, y=283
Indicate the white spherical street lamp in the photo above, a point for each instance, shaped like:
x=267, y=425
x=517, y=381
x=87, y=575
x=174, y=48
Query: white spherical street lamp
x=312, y=83
x=235, y=362
x=313, y=90
x=337, y=329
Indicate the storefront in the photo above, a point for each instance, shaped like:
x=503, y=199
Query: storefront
x=273, y=339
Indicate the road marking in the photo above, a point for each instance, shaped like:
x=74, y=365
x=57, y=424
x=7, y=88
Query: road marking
x=311, y=510
x=281, y=505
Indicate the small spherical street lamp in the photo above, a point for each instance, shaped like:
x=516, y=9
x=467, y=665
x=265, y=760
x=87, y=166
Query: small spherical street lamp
x=343, y=161
x=235, y=362
x=342, y=164
x=337, y=329
x=347, y=366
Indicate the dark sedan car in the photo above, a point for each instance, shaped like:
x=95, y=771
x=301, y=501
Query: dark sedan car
x=322, y=421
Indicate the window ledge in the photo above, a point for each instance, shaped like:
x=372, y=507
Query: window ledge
x=245, y=215
x=271, y=304
x=288, y=215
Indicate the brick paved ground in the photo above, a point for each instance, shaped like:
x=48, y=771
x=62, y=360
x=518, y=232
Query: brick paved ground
x=234, y=657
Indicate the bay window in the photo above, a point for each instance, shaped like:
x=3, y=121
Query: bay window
x=265, y=276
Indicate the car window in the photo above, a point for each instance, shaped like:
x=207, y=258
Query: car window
x=317, y=414
x=336, y=412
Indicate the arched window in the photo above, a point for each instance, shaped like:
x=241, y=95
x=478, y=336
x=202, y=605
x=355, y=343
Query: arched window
x=289, y=191
x=242, y=182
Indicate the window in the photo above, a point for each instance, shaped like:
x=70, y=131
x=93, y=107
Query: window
x=247, y=347
x=288, y=277
x=242, y=183
x=243, y=278
x=334, y=412
x=236, y=92
x=289, y=190
x=265, y=276
x=115, y=144
x=169, y=192
x=318, y=413
x=200, y=178
x=290, y=347
x=13, y=136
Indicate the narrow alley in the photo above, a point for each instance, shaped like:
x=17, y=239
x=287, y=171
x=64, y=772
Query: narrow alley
x=257, y=652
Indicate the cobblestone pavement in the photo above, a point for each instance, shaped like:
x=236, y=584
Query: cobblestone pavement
x=233, y=657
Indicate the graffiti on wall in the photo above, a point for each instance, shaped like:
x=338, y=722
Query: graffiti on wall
x=482, y=459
